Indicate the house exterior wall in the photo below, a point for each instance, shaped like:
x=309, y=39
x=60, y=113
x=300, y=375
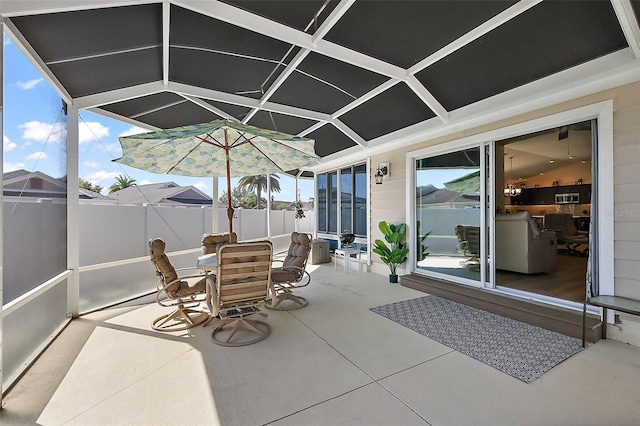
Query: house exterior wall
x=388, y=201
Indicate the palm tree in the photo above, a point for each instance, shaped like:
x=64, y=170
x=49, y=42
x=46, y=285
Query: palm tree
x=259, y=182
x=122, y=182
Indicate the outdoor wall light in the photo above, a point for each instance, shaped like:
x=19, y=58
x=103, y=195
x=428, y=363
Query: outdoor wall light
x=381, y=171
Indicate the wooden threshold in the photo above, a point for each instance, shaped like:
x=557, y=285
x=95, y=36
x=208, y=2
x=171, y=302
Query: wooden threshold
x=562, y=320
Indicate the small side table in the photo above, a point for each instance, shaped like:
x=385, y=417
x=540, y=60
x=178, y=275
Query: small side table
x=345, y=254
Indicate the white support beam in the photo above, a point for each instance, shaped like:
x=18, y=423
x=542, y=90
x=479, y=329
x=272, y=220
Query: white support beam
x=364, y=98
x=127, y=120
x=427, y=98
x=296, y=112
x=629, y=23
x=332, y=20
x=160, y=108
x=313, y=128
x=12, y=8
x=118, y=95
x=21, y=42
x=73, y=213
x=290, y=68
x=166, y=29
x=208, y=107
x=493, y=23
x=214, y=95
x=350, y=133
x=250, y=21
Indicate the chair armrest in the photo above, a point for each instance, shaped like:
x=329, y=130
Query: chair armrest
x=302, y=271
x=188, y=268
x=546, y=235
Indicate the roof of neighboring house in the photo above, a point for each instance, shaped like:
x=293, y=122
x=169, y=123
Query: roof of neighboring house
x=429, y=194
x=88, y=194
x=161, y=193
x=22, y=183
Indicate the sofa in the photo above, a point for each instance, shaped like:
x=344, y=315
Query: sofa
x=522, y=247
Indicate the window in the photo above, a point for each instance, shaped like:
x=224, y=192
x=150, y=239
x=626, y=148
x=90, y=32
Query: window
x=352, y=203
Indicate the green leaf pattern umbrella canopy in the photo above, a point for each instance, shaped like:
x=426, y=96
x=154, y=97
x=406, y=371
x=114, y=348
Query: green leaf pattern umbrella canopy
x=199, y=150
x=218, y=148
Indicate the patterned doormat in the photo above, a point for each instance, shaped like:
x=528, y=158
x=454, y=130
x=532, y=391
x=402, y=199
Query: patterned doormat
x=521, y=350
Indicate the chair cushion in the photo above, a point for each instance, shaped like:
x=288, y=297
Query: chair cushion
x=156, y=251
x=188, y=287
x=210, y=242
x=280, y=275
x=298, y=250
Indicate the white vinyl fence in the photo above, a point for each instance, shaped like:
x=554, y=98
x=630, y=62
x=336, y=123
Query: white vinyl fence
x=114, y=260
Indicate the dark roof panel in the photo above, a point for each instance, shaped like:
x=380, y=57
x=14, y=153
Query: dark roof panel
x=280, y=122
x=550, y=37
x=68, y=35
x=330, y=140
x=179, y=115
x=195, y=30
x=216, y=71
x=132, y=107
x=405, y=32
x=394, y=109
x=104, y=73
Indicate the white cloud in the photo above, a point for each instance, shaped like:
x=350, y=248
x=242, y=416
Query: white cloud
x=28, y=85
x=91, y=163
x=6, y=40
x=37, y=156
x=7, y=145
x=9, y=167
x=101, y=175
x=133, y=130
x=39, y=131
x=91, y=131
x=113, y=148
x=144, y=182
x=202, y=186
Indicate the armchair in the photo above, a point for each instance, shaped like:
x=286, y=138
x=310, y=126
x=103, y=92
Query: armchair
x=243, y=276
x=469, y=242
x=186, y=293
x=522, y=247
x=291, y=275
x=564, y=227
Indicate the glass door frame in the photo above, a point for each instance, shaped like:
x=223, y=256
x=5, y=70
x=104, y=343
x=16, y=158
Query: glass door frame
x=605, y=213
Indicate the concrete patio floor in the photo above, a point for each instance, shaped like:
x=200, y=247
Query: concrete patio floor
x=333, y=362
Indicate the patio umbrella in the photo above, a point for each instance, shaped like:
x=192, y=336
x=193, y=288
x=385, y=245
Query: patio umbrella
x=217, y=148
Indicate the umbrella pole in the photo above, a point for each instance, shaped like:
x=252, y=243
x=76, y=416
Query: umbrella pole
x=229, y=207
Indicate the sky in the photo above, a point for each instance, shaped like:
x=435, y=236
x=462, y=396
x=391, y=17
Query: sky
x=34, y=126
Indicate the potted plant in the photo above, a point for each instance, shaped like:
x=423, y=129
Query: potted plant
x=395, y=254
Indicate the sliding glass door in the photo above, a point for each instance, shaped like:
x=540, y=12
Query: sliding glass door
x=490, y=214
x=448, y=214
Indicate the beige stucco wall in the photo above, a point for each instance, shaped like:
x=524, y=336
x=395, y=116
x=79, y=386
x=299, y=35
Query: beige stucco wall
x=388, y=201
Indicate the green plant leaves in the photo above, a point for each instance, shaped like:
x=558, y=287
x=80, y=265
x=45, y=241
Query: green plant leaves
x=397, y=253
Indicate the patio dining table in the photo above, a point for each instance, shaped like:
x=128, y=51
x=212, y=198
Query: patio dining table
x=207, y=262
